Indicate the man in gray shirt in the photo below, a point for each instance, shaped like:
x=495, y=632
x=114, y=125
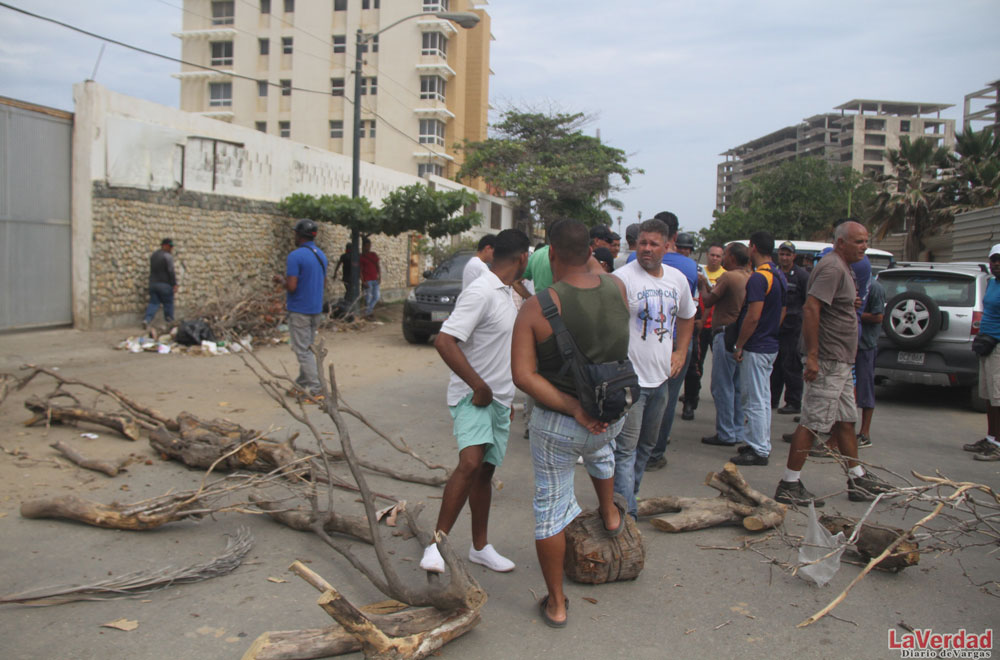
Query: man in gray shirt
x=830, y=344
x=162, y=283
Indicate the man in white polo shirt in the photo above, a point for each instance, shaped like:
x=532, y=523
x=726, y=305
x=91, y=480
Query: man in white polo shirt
x=480, y=262
x=659, y=297
x=475, y=344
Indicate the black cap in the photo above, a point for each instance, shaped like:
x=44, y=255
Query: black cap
x=787, y=245
x=684, y=240
x=167, y=241
x=603, y=255
x=600, y=232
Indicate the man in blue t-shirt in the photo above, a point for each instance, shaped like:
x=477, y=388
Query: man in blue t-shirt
x=305, y=276
x=757, y=347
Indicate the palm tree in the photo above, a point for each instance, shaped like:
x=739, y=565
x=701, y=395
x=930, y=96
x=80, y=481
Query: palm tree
x=976, y=182
x=912, y=196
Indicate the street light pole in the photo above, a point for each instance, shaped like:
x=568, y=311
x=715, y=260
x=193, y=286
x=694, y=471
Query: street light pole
x=465, y=20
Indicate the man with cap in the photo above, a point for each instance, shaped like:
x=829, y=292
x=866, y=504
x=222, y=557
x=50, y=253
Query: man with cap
x=632, y=238
x=162, y=283
x=787, y=372
x=305, y=276
x=988, y=449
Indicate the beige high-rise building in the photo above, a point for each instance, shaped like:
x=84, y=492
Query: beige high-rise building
x=286, y=69
x=858, y=136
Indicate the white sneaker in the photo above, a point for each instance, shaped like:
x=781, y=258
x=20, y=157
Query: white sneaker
x=432, y=562
x=490, y=558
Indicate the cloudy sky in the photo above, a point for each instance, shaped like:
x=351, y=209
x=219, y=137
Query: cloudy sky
x=672, y=83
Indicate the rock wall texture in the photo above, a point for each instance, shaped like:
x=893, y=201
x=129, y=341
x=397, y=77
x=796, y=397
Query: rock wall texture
x=220, y=242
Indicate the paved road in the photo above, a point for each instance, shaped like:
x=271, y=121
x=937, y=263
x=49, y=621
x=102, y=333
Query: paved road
x=689, y=601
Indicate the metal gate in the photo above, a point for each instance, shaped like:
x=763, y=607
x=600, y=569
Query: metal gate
x=35, y=275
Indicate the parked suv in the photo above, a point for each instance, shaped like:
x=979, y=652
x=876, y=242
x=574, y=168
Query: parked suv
x=932, y=314
x=432, y=301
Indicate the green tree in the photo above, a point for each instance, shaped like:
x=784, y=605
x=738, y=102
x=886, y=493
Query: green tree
x=912, y=197
x=975, y=182
x=797, y=199
x=554, y=170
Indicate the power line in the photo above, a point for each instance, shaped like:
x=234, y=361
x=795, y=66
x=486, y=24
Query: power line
x=204, y=67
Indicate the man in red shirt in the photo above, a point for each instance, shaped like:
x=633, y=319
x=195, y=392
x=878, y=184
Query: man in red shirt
x=371, y=275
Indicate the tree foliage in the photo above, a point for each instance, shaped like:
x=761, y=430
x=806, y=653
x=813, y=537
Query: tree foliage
x=410, y=208
x=976, y=179
x=797, y=199
x=554, y=169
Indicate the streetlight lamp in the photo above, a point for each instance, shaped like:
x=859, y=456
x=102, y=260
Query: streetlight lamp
x=463, y=19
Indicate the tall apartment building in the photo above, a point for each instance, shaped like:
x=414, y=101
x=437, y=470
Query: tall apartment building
x=982, y=109
x=858, y=136
x=285, y=67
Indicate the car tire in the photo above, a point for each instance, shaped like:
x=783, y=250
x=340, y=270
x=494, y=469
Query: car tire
x=414, y=337
x=977, y=402
x=911, y=319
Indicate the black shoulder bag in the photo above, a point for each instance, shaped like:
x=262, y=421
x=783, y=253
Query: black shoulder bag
x=606, y=390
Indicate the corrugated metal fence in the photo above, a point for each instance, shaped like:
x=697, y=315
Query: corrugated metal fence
x=35, y=148
x=974, y=232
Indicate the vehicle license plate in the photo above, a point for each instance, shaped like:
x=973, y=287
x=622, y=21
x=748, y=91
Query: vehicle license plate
x=910, y=358
x=443, y=316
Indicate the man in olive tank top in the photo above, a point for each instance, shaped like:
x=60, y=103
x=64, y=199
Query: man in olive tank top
x=594, y=310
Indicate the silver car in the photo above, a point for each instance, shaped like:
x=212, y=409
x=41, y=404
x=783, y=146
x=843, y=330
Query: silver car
x=932, y=314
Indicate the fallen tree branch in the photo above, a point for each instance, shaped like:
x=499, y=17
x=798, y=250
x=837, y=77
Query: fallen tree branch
x=48, y=412
x=108, y=467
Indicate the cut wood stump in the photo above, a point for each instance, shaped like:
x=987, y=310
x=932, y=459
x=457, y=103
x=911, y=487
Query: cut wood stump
x=593, y=557
x=873, y=540
x=738, y=503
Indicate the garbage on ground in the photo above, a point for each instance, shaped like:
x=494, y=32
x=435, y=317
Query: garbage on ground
x=822, y=547
x=164, y=344
x=191, y=333
x=90, y=436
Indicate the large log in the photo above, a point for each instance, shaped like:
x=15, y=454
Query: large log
x=593, y=557
x=46, y=411
x=874, y=539
x=109, y=516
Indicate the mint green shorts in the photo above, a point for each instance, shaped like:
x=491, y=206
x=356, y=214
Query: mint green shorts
x=486, y=425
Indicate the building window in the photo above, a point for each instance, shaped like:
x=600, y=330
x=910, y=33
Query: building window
x=336, y=128
x=223, y=13
x=429, y=168
x=339, y=5
x=369, y=4
x=874, y=124
x=261, y=126
x=434, y=43
x=366, y=128
x=337, y=86
x=285, y=129
x=873, y=154
x=286, y=45
x=262, y=88
x=432, y=131
x=373, y=42
x=435, y=5
x=264, y=45
x=265, y=7
x=222, y=53
x=432, y=87
x=904, y=126
x=369, y=86
x=289, y=8
x=874, y=140
x=340, y=43
x=286, y=87
x=496, y=216
x=220, y=94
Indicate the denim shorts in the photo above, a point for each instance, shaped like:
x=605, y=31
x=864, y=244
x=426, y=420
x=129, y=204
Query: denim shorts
x=482, y=425
x=557, y=441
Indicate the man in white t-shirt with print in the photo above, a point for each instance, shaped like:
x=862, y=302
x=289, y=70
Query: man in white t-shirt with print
x=475, y=344
x=480, y=263
x=659, y=297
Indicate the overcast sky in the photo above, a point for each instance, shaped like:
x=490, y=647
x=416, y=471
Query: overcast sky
x=672, y=83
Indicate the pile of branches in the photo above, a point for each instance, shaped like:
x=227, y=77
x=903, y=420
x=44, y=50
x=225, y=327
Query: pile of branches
x=248, y=307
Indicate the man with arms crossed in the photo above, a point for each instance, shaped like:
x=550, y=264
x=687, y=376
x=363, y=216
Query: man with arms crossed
x=594, y=311
x=658, y=299
x=830, y=343
x=475, y=344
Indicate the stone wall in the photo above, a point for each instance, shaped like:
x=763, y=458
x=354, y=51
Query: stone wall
x=219, y=242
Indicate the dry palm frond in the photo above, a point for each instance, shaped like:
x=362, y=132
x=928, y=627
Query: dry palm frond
x=136, y=583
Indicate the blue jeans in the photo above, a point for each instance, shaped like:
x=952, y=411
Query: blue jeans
x=726, y=391
x=673, y=394
x=160, y=293
x=641, y=427
x=372, y=295
x=755, y=383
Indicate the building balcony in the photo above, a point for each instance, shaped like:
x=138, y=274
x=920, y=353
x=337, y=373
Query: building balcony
x=436, y=69
x=433, y=110
x=432, y=24
x=432, y=154
x=210, y=33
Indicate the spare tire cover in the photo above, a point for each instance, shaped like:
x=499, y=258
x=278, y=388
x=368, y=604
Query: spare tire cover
x=911, y=319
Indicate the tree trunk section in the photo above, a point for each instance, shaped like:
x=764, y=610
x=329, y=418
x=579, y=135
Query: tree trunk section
x=593, y=557
x=873, y=540
x=110, y=468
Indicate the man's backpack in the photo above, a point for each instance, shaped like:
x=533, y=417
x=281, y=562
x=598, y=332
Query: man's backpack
x=606, y=390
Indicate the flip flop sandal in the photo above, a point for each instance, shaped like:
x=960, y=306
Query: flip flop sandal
x=620, y=504
x=549, y=621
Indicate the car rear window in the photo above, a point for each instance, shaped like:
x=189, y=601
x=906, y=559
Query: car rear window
x=451, y=269
x=946, y=289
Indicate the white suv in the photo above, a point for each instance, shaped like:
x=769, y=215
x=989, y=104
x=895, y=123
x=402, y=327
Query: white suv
x=932, y=314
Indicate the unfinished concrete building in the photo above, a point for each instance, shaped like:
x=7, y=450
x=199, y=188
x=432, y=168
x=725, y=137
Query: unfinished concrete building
x=982, y=109
x=857, y=136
